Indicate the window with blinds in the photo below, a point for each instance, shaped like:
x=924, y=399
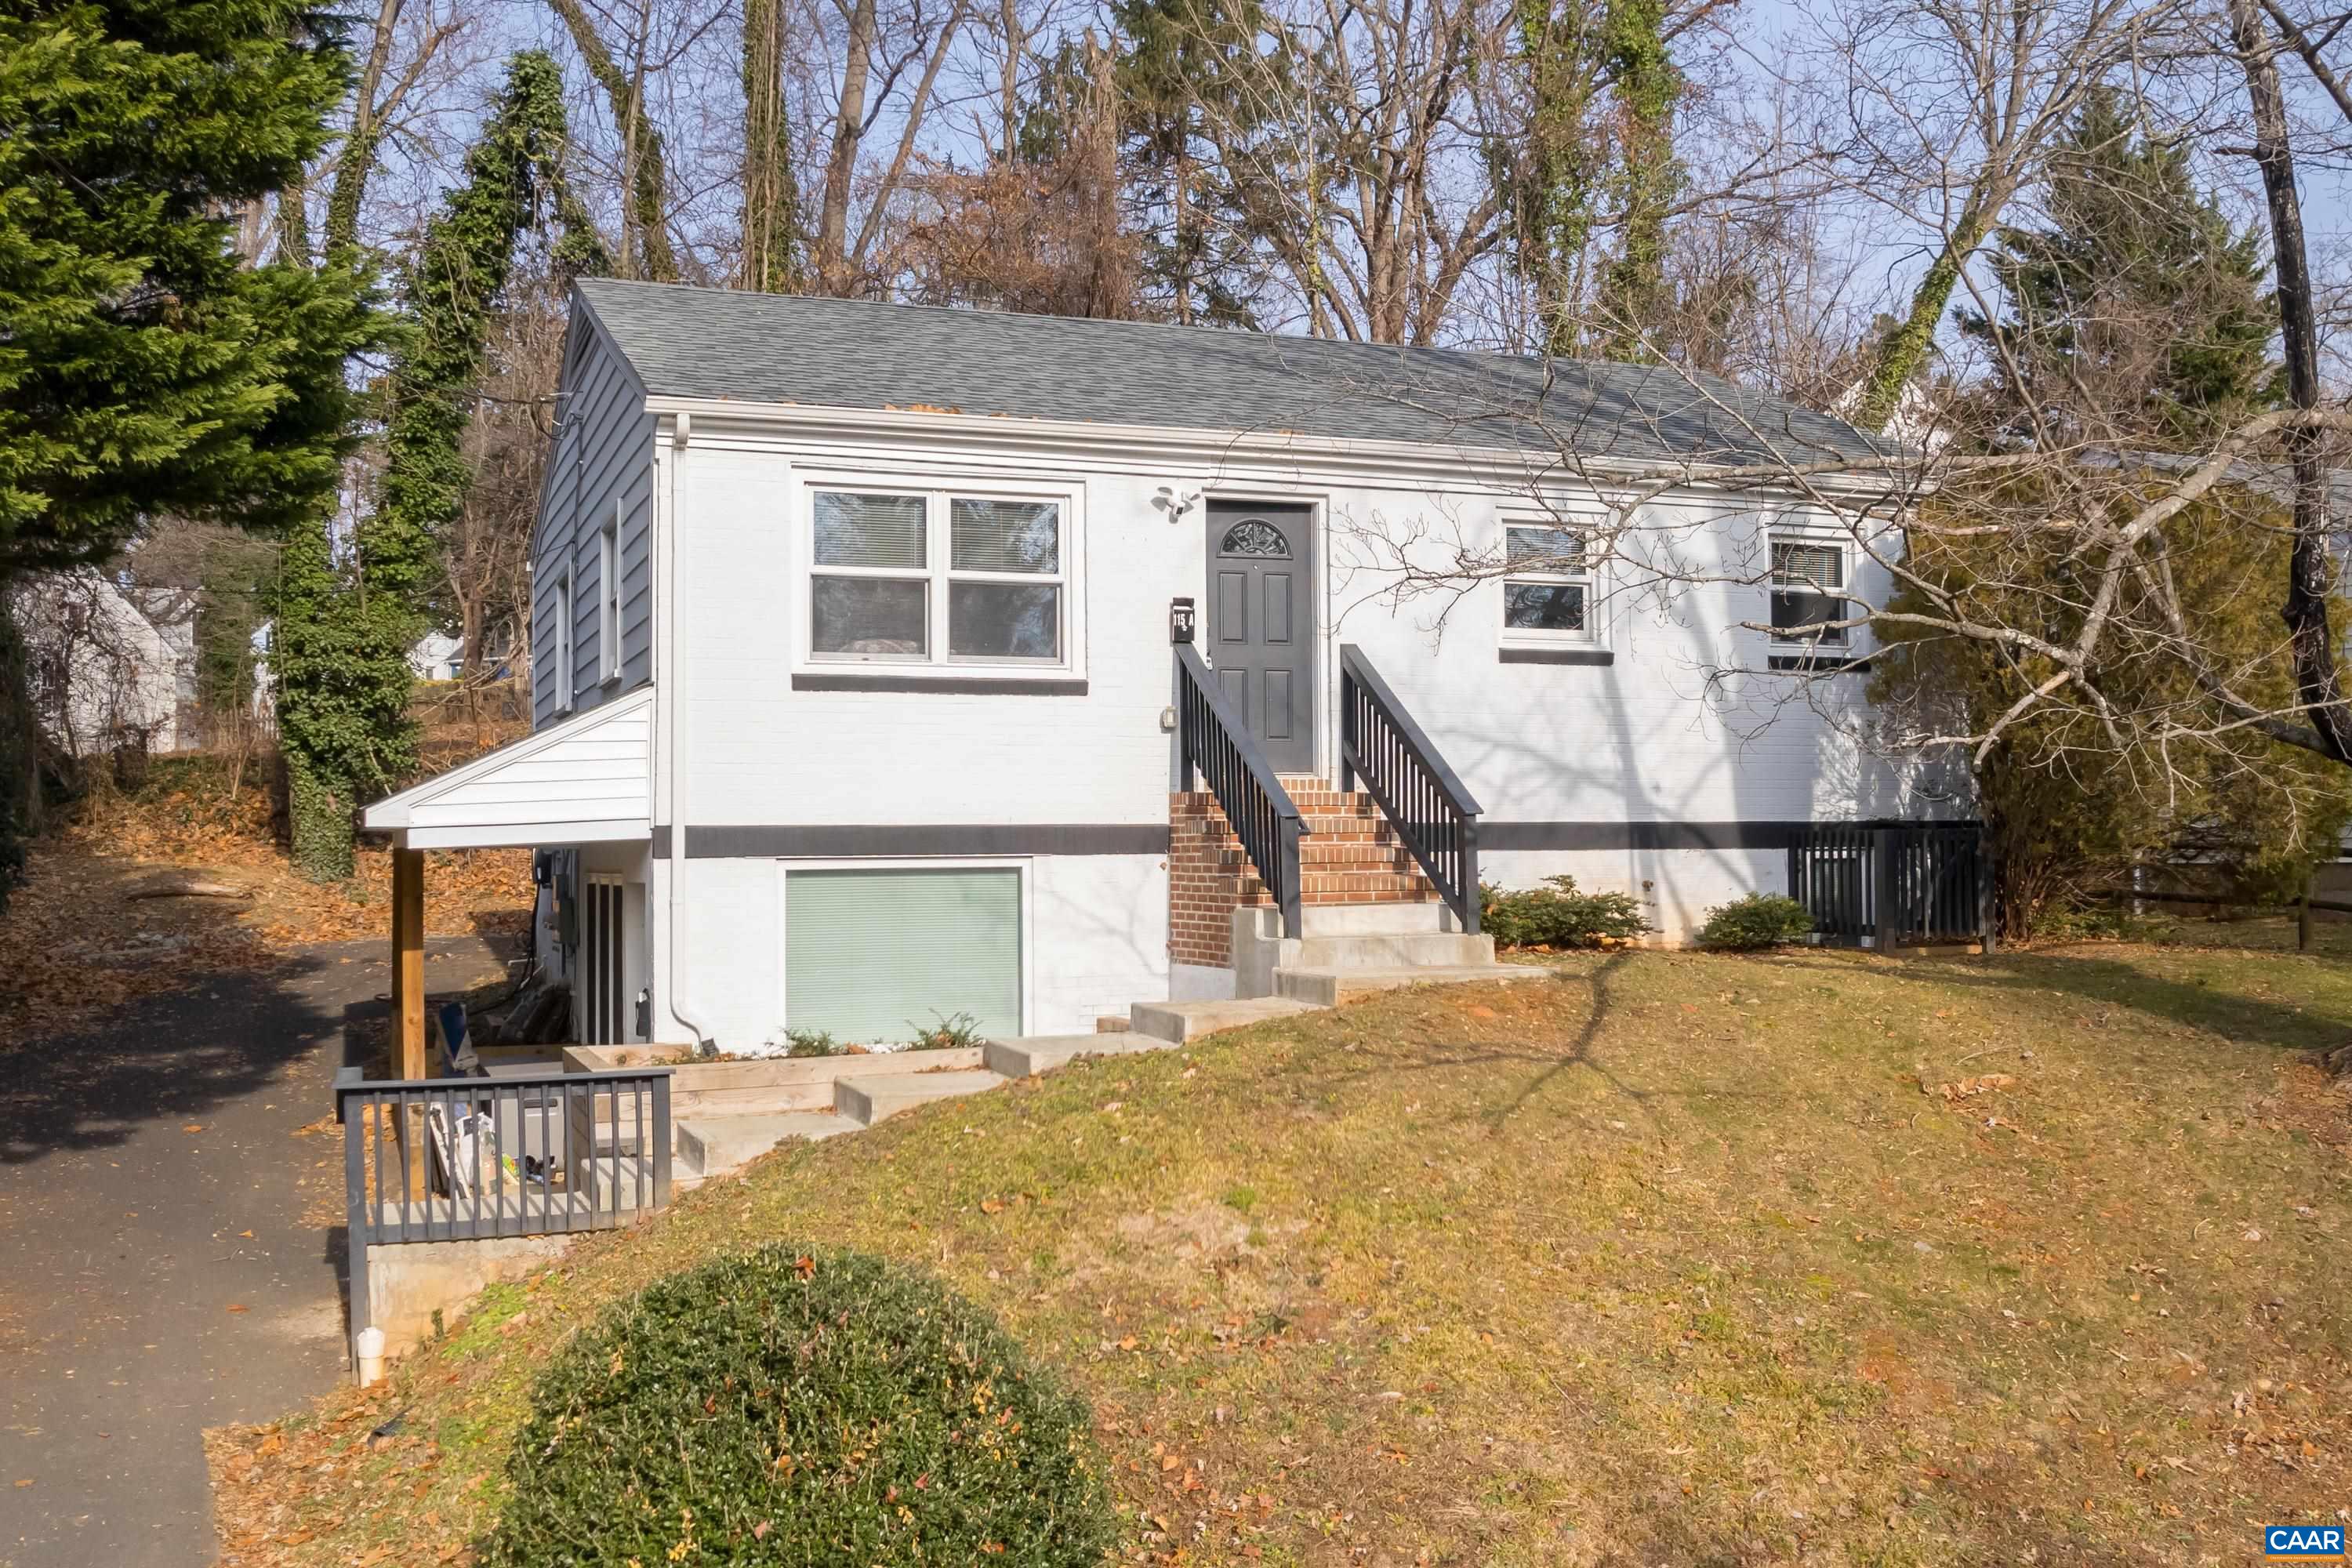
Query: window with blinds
x=934, y=576
x=873, y=955
x=1808, y=585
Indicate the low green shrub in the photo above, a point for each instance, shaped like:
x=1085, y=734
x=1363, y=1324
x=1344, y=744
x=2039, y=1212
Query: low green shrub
x=947, y=1032
x=782, y=1407
x=1558, y=915
x=811, y=1043
x=1757, y=921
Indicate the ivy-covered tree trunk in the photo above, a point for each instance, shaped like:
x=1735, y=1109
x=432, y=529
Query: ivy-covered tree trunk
x=1553, y=202
x=1897, y=355
x=772, y=223
x=314, y=681
x=1635, y=295
x=345, y=628
x=652, y=258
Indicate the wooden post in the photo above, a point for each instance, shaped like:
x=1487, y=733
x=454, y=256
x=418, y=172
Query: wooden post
x=2303, y=915
x=407, y=964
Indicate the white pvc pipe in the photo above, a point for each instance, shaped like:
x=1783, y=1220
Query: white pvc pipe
x=367, y=1347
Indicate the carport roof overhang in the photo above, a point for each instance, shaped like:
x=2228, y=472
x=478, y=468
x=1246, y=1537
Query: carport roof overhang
x=588, y=780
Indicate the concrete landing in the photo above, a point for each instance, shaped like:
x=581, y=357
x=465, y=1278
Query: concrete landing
x=1329, y=987
x=1027, y=1055
x=872, y=1099
x=1178, y=1021
x=712, y=1145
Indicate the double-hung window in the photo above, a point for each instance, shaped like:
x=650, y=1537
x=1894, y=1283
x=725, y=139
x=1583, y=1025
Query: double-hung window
x=1546, y=583
x=1809, y=589
x=938, y=576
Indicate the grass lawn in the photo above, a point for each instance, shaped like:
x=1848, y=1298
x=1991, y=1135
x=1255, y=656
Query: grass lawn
x=1668, y=1260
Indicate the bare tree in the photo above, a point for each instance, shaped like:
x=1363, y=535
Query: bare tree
x=1949, y=105
x=646, y=250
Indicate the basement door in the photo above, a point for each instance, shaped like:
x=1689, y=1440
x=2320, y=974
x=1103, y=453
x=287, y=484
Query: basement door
x=604, y=996
x=1262, y=624
x=873, y=955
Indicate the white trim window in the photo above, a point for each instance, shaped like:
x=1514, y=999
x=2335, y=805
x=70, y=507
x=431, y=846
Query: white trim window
x=1809, y=581
x=1547, y=584
x=939, y=576
x=564, y=670
x=608, y=596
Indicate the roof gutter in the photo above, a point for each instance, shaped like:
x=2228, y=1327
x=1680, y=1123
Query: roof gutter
x=1519, y=469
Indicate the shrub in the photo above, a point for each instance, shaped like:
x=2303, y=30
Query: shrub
x=809, y=1043
x=1757, y=921
x=1557, y=915
x=947, y=1032
x=778, y=1407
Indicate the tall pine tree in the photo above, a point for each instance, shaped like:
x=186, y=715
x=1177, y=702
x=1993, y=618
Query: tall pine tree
x=2136, y=312
x=145, y=366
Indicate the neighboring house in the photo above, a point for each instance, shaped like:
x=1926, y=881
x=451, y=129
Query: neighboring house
x=437, y=655
x=856, y=699
x=103, y=675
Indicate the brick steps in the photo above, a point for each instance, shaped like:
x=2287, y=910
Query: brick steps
x=1351, y=854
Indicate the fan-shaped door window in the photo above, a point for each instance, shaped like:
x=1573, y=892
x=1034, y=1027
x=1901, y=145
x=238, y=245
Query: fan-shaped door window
x=1255, y=536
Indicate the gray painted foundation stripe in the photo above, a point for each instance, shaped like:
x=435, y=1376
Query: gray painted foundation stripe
x=1494, y=835
x=725, y=843
x=754, y=842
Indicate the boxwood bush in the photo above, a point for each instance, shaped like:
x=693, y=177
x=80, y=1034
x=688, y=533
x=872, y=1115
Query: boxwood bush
x=1757, y=921
x=801, y=1406
x=1558, y=915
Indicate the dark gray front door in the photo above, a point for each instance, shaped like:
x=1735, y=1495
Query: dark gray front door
x=1262, y=624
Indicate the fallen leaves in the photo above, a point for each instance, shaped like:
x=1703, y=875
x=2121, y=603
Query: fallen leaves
x=1967, y=1088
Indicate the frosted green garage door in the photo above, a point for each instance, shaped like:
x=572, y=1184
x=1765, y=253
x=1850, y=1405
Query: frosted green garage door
x=870, y=956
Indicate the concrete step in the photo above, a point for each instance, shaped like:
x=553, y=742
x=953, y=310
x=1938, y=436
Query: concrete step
x=867, y=1100
x=1329, y=987
x=1178, y=1021
x=1027, y=1055
x=1394, y=950
x=708, y=1146
x=1377, y=919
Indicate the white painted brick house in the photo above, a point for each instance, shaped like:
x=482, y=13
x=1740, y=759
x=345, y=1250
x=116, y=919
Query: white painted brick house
x=856, y=702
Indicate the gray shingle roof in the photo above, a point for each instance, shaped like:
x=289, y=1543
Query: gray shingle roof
x=841, y=353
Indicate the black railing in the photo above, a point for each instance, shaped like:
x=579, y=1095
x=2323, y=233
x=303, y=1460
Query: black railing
x=1893, y=884
x=463, y=1159
x=1215, y=743
x=1434, y=813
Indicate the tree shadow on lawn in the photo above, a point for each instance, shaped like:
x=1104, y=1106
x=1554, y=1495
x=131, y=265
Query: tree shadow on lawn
x=2216, y=1008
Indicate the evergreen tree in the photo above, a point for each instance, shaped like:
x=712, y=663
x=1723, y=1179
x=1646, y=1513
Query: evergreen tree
x=2139, y=312
x=1185, y=60
x=144, y=367
x=345, y=626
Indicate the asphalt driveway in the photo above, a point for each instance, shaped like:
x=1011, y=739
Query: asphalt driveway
x=170, y=1247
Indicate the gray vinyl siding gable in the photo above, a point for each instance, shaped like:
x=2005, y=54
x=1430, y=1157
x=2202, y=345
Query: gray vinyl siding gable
x=604, y=460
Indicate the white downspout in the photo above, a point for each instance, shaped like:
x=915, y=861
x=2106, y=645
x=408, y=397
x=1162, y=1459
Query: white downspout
x=670, y=709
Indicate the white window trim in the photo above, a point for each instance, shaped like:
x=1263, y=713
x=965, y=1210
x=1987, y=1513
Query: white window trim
x=1024, y=865
x=936, y=488
x=1591, y=579
x=564, y=651
x=608, y=595
x=1849, y=645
